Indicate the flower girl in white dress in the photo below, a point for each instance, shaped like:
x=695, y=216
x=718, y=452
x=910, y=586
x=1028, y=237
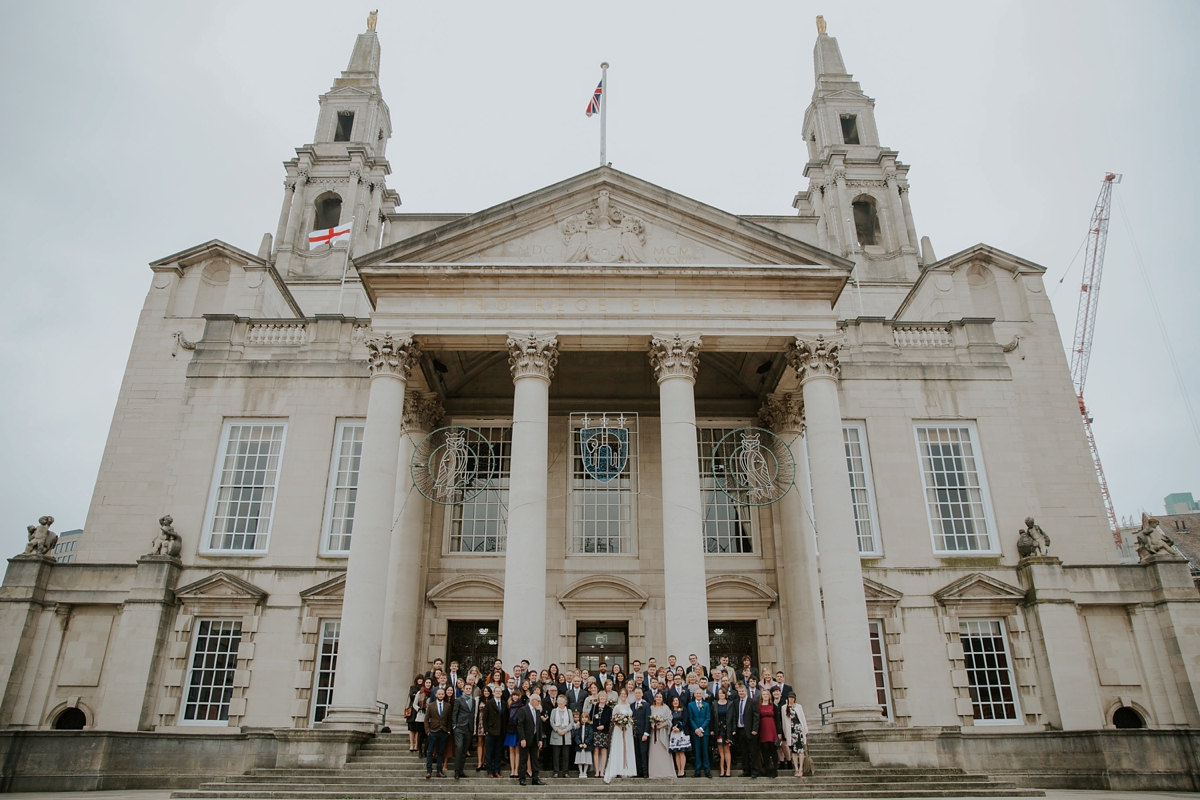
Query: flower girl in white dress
x=622, y=758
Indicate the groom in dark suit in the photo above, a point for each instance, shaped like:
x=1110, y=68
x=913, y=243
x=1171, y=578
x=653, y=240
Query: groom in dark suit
x=641, y=732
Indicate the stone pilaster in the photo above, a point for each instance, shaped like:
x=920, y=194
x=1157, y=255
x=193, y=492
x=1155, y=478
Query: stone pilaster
x=390, y=360
x=798, y=578
x=675, y=359
x=816, y=362
x=532, y=358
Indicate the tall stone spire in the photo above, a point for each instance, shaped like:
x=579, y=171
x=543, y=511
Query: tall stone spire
x=857, y=189
x=341, y=176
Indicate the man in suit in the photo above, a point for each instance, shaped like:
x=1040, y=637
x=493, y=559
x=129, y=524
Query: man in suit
x=529, y=737
x=699, y=726
x=495, y=721
x=452, y=677
x=640, y=678
x=437, y=728
x=463, y=722
x=695, y=666
x=576, y=694
x=437, y=667
x=784, y=688
x=640, y=711
x=742, y=721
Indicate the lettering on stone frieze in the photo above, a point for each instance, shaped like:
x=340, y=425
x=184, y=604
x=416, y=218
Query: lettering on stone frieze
x=603, y=234
x=673, y=254
x=699, y=306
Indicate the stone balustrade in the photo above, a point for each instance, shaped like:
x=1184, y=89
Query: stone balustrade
x=278, y=334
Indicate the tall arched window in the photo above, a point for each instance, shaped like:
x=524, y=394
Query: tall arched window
x=866, y=221
x=329, y=212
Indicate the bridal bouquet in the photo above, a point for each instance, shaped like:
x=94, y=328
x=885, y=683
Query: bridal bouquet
x=659, y=722
x=622, y=720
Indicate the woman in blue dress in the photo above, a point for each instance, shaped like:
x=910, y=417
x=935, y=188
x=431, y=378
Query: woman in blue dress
x=510, y=738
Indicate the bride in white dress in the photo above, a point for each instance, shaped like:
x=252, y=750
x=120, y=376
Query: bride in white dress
x=622, y=758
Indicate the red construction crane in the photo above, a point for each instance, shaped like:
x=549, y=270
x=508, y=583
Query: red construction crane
x=1085, y=327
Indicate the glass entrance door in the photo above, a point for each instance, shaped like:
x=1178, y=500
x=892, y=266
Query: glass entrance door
x=733, y=639
x=601, y=642
x=473, y=644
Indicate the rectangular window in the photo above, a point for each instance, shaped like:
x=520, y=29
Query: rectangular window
x=210, y=677
x=243, y=495
x=955, y=489
x=989, y=671
x=345, y=124
x=326, y=667
x=879, y=667
x=850, y=129
x=727, y=524
x=480, y=525
x=343, y=488
x=862, y=490
x=604, y=454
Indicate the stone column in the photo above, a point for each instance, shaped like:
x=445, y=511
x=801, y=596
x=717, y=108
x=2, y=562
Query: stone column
x=295, y=212
x=908, y=217
x=850, y=666
x=817, y=198
x=675, y=359
x=356, y=684
x=799, y=583
x=285, y=211
x=532, y=359
x=405, y=597
x=24, y=592
x=846, y=206
x=896, y=209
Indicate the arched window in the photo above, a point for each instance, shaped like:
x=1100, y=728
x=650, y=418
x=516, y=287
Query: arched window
x=71, y=719
x=866, y=221
x=1126, y=717
x=329, y=212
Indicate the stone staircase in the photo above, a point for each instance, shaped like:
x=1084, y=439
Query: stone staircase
x=384, y=768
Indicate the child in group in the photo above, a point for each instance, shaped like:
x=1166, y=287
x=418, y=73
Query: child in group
x=586, y=737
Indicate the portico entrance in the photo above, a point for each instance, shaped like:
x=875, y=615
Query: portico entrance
x=596, y=642
x=473, y=644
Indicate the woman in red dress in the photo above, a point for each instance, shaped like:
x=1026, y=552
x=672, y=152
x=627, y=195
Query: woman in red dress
x=769, y=726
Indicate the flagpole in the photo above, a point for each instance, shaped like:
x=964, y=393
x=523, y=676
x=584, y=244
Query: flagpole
x=345, y=266
x=603, y=115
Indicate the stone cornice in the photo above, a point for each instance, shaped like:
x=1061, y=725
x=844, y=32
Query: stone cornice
x=675, y=356
x=532, y=355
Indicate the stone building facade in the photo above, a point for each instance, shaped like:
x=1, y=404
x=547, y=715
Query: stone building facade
x=273, y=402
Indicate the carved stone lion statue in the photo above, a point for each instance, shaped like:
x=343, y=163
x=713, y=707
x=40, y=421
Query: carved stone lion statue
x=1153, y=541
x=41, y=538
x=168, y=542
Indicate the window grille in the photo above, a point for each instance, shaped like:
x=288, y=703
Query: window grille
x=326, y=667
x=246, y=480
x=480, y=525
x=955, y=491
x=343, y=487
x=862, y=495
x=603, y=473
x=214, y=660
x=989, y=674
x=727, y=525
x=879, y=667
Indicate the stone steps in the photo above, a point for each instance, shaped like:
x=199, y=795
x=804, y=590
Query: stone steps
x=385, y=769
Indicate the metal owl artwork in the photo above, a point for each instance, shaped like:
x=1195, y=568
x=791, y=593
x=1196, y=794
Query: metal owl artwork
x=453, y=464
x=753, y=466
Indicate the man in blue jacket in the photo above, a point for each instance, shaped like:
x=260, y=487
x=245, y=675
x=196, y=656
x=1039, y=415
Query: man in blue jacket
x=699, y=716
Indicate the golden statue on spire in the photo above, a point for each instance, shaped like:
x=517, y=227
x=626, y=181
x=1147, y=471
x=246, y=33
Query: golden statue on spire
x=820, y=25
x=371, y=19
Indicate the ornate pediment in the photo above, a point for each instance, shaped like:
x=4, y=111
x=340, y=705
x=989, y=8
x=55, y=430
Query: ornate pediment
x=602, y=217
x=980, y=595
x=733, y=595
x=325, y=597
x=597, y=592
x=881, y=600
x=467, y=587
x=221, y=593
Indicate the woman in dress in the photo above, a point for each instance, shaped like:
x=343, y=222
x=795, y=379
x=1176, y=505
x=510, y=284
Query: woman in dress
x=485, y=697
x=795, y=729
x=418, y=716
x=721, y=735
x=660, y=763
x=562, y=726
x=602, y=719
x=622, y=758
x=769, y=725
x=784, y=755
x=679, y=736
x=510, y=739
x=610, y=691
x=556, y=678
x=618, y=677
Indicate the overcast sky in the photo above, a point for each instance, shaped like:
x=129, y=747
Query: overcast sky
x=138, y=130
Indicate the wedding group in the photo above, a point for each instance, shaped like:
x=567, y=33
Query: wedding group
x=654, y=722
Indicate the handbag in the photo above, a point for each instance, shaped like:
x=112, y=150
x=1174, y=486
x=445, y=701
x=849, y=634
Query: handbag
x=408, y=712
x=809, y=767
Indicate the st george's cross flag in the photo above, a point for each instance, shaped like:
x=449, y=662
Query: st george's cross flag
x=329, y=236
x=594, y=104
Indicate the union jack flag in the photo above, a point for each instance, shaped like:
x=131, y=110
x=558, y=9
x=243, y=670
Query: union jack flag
x=594, y=104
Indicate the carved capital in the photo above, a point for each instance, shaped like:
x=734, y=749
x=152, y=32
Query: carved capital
x=814, y=358
x=422, y=411
x=783, y=411
x=392, y=356
x=535, y=355
x=675, y=356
